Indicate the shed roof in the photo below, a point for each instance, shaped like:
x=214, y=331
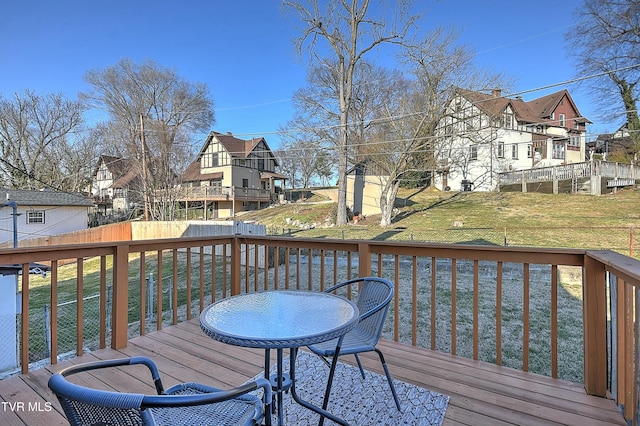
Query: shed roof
x=24, y=197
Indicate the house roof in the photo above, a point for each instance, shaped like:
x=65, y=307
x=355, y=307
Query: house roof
x=544, y=106
x=193, y=173
x=24, y=197
x=273, y=175
x=489, y=103
x=239, y=148
x=123, y=170
x=534, y=111
x=236, y=147
x=116, y=165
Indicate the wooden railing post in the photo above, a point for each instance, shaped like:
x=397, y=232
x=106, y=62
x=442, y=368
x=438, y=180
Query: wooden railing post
x=120, y=300
x=595, y=326
x=236, y=253
x=364, y=260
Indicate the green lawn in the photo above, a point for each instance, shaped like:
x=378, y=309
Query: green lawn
x=541, y=220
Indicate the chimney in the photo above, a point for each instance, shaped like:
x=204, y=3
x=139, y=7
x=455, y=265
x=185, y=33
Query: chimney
x=496, y=93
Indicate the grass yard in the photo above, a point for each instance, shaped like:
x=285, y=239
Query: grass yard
x=514, y=219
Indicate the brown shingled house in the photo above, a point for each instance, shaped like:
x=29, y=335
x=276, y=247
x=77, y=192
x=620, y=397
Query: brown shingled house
x=230, y=175
x=484, y=134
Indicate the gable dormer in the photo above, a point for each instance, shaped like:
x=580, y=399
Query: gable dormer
x=508, y=117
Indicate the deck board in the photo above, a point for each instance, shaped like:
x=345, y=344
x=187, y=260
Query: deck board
x=481, y=393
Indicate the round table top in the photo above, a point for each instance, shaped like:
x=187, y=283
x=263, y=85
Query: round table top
x=279, y=319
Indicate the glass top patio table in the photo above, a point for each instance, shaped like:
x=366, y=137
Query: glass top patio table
x=279, y=319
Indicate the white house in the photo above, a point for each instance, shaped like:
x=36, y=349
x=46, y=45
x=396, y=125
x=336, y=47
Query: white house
x=40, y=213
x=115, y=184
x=483, y=134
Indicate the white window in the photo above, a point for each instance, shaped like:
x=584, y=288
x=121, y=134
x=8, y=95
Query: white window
x=500, y=150
x=561, y=120
x=514, y=151
x=473, y=152
x=558, y=151
x=35, y=216
x=507, y=119
x=529, y=151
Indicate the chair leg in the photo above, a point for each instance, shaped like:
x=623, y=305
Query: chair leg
x=332, y=370
x=360, y=365
x=386, y=371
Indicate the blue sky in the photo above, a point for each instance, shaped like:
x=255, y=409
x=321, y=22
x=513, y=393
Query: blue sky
x=243, y=49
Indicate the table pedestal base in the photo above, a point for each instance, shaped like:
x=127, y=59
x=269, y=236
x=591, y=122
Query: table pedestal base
x=285, y=385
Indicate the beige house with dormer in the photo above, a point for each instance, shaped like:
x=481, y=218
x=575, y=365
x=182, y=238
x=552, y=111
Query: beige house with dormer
x=230, y=175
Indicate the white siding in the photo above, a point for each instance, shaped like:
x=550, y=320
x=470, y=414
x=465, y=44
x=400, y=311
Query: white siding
x=58, y=220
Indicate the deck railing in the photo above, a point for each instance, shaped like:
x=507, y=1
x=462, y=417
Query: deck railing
x=572, y=171
x=538, y=310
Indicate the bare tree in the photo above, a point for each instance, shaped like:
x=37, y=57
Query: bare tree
x=34, y=131
x=153, y=115
x=606, y=42
x=406, y=139
x=350, y=31
x=76, y=163
x=311, y=132
x=302, y=161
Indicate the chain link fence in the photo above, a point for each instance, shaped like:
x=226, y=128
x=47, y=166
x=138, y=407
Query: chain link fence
x=40, y=332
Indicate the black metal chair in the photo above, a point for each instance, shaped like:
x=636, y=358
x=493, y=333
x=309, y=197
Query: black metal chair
x=182, y=404
x=373, y=302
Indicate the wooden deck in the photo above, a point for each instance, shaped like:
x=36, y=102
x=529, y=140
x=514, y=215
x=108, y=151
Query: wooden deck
x=481, y=393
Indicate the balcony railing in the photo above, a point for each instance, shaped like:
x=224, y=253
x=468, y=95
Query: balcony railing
x=510, y=306
x=222, y=193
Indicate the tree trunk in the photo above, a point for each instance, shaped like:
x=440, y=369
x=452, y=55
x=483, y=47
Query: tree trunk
x=343, y=154
x=633, y=121
x=387, y=201
x=341, y=218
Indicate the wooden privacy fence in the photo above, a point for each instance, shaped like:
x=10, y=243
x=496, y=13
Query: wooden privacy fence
x=457, y=299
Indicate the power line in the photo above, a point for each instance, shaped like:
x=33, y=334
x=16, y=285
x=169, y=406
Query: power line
x=297, y=130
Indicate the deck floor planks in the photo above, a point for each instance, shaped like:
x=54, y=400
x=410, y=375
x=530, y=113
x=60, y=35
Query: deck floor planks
x=481, y=393
x=483, y=384
x=16, y=390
